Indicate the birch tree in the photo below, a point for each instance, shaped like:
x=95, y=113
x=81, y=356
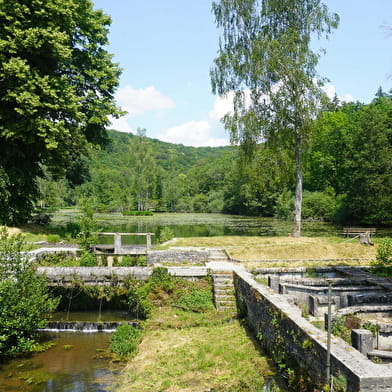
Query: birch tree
x=266, y=61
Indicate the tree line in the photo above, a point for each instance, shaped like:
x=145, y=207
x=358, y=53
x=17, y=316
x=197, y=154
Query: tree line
x=57, y=84
x=347, y=172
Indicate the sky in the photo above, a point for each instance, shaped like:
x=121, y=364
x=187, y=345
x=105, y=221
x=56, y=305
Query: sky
x=166, y=49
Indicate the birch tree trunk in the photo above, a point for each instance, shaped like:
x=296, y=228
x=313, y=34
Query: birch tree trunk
x=298, y=188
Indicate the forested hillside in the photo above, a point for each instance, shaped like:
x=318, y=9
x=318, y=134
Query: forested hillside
x=348, y=173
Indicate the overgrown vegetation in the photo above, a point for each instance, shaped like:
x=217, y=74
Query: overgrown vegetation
x=125, y=340
x=383, y=264
x=25, y=301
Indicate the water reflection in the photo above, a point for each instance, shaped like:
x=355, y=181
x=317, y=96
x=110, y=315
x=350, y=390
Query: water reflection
x=196, y=225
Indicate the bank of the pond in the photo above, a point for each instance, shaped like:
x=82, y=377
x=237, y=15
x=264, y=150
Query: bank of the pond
x=185, y=351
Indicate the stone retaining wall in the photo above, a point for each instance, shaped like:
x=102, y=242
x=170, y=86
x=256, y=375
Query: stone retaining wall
x=283, y=331
x=177, y=256
x=111, y=275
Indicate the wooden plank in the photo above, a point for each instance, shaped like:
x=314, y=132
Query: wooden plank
x=358, y=230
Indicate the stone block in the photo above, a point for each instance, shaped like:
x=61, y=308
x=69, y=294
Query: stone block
x=362, y=340
x=273, y=282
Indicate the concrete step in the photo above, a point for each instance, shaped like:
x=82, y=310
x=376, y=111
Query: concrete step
x=224, y=290
x=225, y=302
x=225, y=297
x=223, y=278
x=227, y=309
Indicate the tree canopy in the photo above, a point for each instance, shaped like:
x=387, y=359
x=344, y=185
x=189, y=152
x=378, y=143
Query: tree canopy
x=265, y=58
x=57, y=83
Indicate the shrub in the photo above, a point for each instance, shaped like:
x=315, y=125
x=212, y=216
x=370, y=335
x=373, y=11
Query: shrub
x=24, y=298
x=126, y=261
x=166, y=234
x=141, y=261
x=53, y=238
x=87, y=259
x=318, y=206
x=284, y=205
x=58, y=259
x=197, y=301
x=125, y=340
x=384, y=253
x=138, y=300
x=41, y=219
x=161, y=279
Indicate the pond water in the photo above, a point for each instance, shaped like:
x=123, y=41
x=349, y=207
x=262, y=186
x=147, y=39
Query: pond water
x=72, y=365
x=195, y=225
x=105, y=315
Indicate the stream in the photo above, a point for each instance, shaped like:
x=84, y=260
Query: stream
x=76, y=363
x=72, y=365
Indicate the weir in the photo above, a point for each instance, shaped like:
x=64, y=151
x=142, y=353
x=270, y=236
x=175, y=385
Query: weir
x=85, y=326
x=291, y=334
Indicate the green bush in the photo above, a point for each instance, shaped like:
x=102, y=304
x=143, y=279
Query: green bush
x=60, y=259
x=161, y=279
x=166, y=234
x=384, y=253
x=141, y=261
x=284, y=205
x=318, y=206
x=197, y=301
x=126, y=261
x=25, y=302
x=87, y=259
x=53, y=238
x=125, y=340
x=138, y=299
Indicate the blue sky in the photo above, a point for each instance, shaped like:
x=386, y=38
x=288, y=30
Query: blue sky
x=166, y=49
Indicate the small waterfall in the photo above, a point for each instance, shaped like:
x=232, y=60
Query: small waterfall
x=84, y=326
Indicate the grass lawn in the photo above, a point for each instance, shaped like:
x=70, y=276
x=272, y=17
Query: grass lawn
x=183, y=351
x=31, y=232
x=287, y=248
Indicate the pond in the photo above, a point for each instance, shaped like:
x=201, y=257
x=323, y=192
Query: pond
x=196, y=225
x=74, y=364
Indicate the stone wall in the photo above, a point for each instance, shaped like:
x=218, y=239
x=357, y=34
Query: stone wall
x=284, y=332
x=177, y=256
x=111, y=275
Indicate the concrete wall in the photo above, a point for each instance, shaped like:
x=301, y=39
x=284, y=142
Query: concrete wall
x=283, y=331
x=177, y=256
x=111, y=275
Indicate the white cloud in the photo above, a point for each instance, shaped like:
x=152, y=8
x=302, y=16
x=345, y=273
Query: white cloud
x=192, y=133
x=222, y=105
x=138, y=101
x=120, y=124
x=330, y=90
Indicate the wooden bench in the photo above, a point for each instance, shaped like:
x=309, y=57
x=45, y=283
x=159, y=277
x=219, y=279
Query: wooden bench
x=356, y=231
